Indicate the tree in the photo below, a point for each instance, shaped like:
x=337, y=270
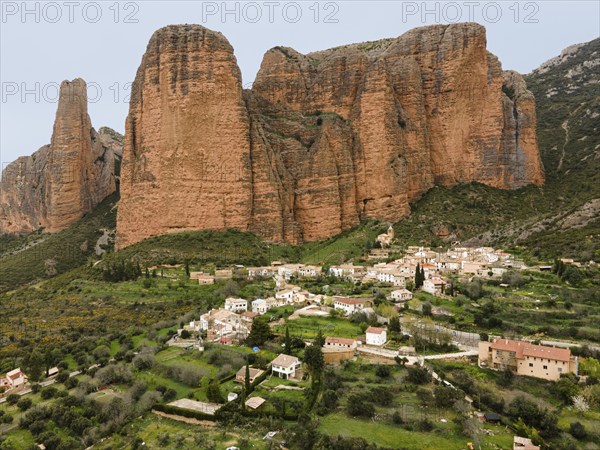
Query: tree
x=12, y=399
x=247, y=384
x=358, y=407
x=418, y=280
x=35, y=364
x=394, y=325
x=213, y=392
x=62, y=376
x=418, y=375
x=261, y=331
x=319, y=339
x=445, y=396
x=426, y=309
x=288, y=341
x=187, y=267
x=185, y=334
x=24, y=404
x=314, y=360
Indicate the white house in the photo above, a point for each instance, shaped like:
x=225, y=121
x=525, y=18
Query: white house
x=260, y=306
x=286, y=295
x=236, y=304
x=288, y=271
x=434, y=286
x=350, y=305
x=344, y=270
x=310, y=271
x=394, y=277
x=376, y=336
x=401, y=295
x=285, y=366
x=13, y=380
x=218, y=320
x=266, y=271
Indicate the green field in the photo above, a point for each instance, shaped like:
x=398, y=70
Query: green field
x=309, y=327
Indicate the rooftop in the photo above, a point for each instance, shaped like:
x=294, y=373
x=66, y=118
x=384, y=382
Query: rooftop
x=255, y=402
x=285, y=360
x=337, y=340
x=523, y=349
x=375, y=330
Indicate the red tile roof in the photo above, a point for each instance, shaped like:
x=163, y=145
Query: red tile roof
x=336, y=340
x=524, y=349
x=375, y=330
x=352, y=301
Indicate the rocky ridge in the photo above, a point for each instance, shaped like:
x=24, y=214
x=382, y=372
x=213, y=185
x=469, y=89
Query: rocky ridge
x=321, y=141
x=54, y=187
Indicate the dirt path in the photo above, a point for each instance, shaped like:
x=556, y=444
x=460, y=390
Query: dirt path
x=189, y=420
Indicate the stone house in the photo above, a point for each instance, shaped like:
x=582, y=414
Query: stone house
x=236, y=304
x=524, y=358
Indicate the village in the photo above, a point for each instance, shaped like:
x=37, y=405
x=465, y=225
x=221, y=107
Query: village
x=387, y=316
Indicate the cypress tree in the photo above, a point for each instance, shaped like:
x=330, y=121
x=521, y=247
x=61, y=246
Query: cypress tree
x=247, y=385
x=288, y=341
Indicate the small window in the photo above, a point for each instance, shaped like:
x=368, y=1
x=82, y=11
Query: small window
x=545, y=367
x=560, y=369
x=530, y=364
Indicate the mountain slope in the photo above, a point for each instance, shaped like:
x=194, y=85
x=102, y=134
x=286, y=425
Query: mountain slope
x=563, y=216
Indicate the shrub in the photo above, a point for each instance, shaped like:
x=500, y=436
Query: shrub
x=383, y=371
x=578, y=431
x=418, y=375
x=358, y=407
x=48, y=393
x=24, y=404
x=62, y=377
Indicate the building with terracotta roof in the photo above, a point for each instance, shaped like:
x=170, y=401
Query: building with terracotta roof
x=524, y=358
x=376, y=336
x=240, y=376
x=340, y=343
x=14, y=379
x=351, y=305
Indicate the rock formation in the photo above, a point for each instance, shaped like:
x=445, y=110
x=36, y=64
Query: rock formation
x=322, y=140
x=58, y=184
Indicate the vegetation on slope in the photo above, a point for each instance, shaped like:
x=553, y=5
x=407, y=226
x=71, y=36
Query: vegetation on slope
x=40, y=256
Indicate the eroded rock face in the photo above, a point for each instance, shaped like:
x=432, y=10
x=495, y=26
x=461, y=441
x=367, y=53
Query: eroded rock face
x=322, y=140
x=186, y=162
x=62, y=181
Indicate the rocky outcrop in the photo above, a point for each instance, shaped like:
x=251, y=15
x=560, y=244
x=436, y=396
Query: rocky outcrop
x=186, y=162
x=321, y=141
x=62, y=181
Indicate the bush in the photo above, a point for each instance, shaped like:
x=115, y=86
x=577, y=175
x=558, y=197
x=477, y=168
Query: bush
x=62, y=377
x=48, y=393
x=418, y=375
x=71, y=383
x=24, y=404
x=358, y=407
x=578, y=431
x=383, y=371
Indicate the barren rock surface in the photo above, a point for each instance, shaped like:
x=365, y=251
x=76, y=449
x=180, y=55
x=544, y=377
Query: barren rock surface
x=322, y=140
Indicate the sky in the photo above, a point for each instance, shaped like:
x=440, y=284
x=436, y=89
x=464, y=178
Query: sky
x=43, y=43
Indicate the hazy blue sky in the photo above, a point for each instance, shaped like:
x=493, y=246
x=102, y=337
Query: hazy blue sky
x=103, y=43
